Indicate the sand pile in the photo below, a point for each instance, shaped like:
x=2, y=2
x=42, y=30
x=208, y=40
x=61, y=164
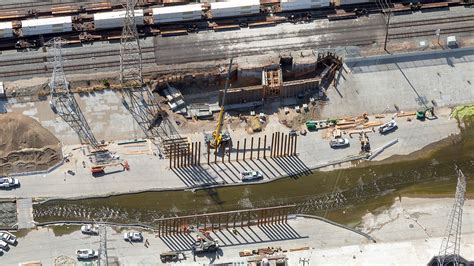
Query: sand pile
x=25, y=145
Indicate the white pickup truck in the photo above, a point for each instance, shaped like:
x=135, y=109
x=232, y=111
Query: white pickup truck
x=9, y=182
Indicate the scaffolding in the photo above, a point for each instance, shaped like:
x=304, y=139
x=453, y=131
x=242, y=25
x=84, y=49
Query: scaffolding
x=272, y=81
x=62, y=100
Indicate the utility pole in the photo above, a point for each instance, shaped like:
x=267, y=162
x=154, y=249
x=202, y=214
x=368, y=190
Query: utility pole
x=449, y=251
x=62, y=100
x=136, y=96
x=103, y=259
x=384, y=5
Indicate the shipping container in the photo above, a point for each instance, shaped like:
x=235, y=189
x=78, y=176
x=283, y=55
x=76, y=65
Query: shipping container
x=290, y=5
x=235, y=8
x=177, y=13
x=6, y=29
x=114, y=19
x=46, y=25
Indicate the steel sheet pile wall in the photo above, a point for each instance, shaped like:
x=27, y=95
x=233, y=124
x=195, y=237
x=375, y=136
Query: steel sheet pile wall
x=46, y=25
x=235, y=8
x=6, y=29
x=114, y=19
x=177, y=13
x=289, y=5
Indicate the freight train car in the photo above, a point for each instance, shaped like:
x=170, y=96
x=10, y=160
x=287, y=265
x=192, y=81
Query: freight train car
x=39, y=26
x=114, y=19
x=234, y=8
x=216, y=12
x=291, y=5
x=337, y=3
x=6, y=29
x=177, y=13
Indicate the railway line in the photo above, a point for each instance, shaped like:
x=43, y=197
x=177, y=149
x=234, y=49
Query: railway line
x=199, y=47
x=416, y=23
x=422, y=33
x=18, y=5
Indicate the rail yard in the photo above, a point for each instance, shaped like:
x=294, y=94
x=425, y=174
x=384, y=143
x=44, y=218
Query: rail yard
x=243, y=132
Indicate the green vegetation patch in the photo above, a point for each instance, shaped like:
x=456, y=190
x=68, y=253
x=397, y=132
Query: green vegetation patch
x=463, y=112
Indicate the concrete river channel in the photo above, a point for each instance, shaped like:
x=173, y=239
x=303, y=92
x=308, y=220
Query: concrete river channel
x=340, y=195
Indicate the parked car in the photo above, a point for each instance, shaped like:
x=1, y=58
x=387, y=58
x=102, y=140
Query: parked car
x=172, y=256
x=9, y=182
x=90, y=229
x=293, y=133
x=339, y=143
x=251, y=175
x=3, y=245
x=71, y=172
x=133, y=236
x=83, y=254
x=7, y=237
x=388, y=127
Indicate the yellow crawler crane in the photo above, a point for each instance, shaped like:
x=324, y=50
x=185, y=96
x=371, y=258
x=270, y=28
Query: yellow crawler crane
x=218, y=137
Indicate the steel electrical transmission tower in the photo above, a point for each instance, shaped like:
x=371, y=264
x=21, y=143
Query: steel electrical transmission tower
x=449, y=251
x=137, y=97
x=63, y=102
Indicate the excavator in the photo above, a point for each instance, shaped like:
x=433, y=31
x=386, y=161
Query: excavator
x=217, y=137
x=422, y=114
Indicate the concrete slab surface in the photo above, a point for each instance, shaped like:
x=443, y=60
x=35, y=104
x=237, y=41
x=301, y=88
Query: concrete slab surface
x=151, y=173
x=42, y=244
x=25, y=213
x=408, y=82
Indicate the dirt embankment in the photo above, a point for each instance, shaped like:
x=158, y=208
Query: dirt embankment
x=25, y=145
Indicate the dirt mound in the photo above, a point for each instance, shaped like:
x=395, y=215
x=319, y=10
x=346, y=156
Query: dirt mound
x=25, y=145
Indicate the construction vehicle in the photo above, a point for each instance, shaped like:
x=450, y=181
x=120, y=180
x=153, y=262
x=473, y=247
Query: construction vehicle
x=217, y=137
x=421, y=114
x=204, y=242
x=170, y=256
x=100, y=169
x=311, y=125
x=314, y=125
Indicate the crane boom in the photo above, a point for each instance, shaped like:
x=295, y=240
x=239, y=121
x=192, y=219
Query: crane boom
x=217, y=135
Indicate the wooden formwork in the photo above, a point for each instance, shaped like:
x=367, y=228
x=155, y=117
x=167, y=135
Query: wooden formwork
x=272, y=81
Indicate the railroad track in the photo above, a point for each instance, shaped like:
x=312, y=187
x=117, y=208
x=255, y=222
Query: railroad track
x=414, y=34
x=418, y=23
x=44, y=70
x=42, y=58
x=210, y=43
x=35, y=4
x=68, y=68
